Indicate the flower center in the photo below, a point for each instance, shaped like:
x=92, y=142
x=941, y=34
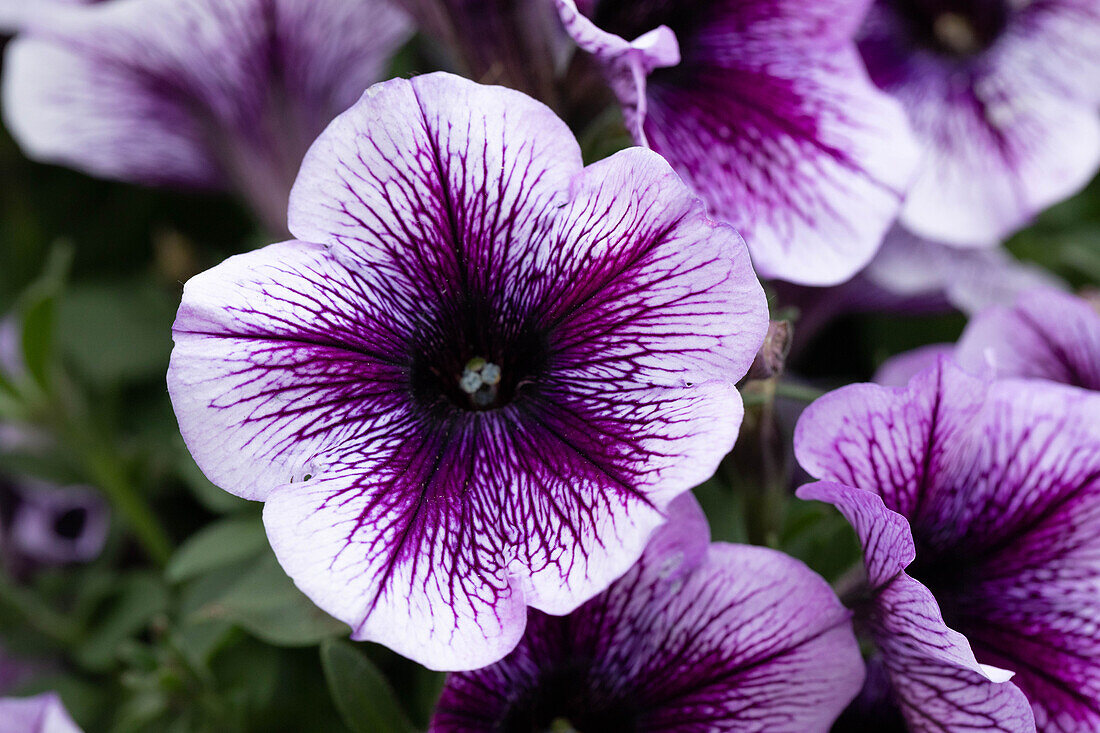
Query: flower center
x=481, y=381
x=958, y=28
x=472, y=359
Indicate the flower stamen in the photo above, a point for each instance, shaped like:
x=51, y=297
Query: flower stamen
x=480, y=380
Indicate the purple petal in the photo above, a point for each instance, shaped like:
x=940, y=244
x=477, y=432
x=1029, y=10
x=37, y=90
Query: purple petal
x=771, y=117
x=1046, y=334
x=936, y=681
x=744, y=638
x=40, y=714
x=1001, y=485
x=898, y=370
x=626, y=64
x=110, y=93
x=1007, y=130
x=914, y=269
x=455, y=221
x=889, y=440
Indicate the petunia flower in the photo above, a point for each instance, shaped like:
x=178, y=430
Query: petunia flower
x=481, y=374
x=200, y=94
x=695, y=637
x=1002, y=95
x=765, y=109
x=43, y=713
x=1044, y=334
x=976, y=502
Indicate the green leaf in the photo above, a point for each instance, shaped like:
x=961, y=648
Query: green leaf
x=266, y=603
x=38, y=336
x=117, y=331
x=140, y=598
x=361, y=692
x=219, y=544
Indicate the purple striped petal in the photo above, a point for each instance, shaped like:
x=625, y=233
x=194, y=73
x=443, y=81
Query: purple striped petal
x=898, y=370
x=480, y=388
x=1000, y=484
x=215, y=94
x=935, y=680
x=1003, y=99
x=725, y=638
x=40, y=714
x=1046, y=334
x=770, y=116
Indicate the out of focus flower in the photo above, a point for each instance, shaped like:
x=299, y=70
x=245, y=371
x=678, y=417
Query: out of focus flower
x=977, y=503
x=43, y=713
x=915, y=276
x=764, y=108
x=478, y=379
x=1044, y=334
x=695, y=637
x=1003, y=97
x=55, y=525
x=15, y=14
x=201, y=94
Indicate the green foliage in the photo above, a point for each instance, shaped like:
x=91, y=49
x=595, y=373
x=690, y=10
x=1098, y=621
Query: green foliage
x=363, y=696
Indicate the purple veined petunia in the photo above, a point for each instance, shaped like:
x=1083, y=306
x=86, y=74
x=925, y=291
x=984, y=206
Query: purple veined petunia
x=977, y=502
x=1043, y=334
x=1002, y=95
x=695, y=637
x=481, y=374
x=43, y=713
x=198, y=94
x=764, y=107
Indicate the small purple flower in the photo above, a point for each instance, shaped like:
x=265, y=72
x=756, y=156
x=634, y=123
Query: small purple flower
x=1044, y=334
x=977, y=503
x=54, y=525
x=1003, y=97
x=202, y=94
x=765, y=108
x=476, y=382
x=39, y=714
x=695, y=637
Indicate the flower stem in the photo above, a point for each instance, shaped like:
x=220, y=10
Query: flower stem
x=108, y=474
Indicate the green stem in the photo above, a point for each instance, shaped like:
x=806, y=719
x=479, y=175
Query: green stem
x=108, y=474
x=798, y=392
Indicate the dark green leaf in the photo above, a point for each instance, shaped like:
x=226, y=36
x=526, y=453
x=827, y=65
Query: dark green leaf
x=361, y=692
x=219, y=544
x=267, y=604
